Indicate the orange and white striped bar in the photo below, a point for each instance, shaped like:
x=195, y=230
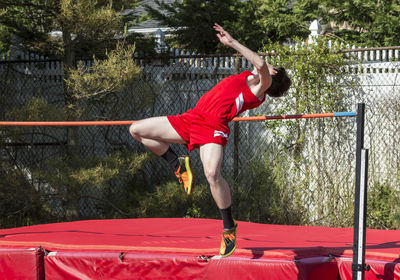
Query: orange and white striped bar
x=238, y=119
x=303, y=116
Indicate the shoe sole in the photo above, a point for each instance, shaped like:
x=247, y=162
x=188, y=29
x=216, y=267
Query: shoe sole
x=188, y=167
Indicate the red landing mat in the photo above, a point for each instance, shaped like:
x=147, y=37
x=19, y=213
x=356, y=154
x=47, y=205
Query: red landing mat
x=187, y=249
x=20, y=263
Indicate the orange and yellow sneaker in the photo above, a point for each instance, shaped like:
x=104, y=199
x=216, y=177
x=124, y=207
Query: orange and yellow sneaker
x=228, y=242
x=185, y=174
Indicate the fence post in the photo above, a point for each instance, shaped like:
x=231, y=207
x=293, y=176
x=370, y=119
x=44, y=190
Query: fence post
x=236, y=152
x=315, y=28
x=160, y=43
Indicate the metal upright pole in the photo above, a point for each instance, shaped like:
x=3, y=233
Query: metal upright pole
x=236, y=139
x=360, y=204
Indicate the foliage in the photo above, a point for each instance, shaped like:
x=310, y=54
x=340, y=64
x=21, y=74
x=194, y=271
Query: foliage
x=36, y=109
x=21, y=201
x=103, y=170
x=192, y=21
x=269, y=197
x=5, y=39
x=94, y=26
x=106, y=76
x=382, y=209
x=319, y=81
x=280, y=20
x=170, y=200
x=88, y=27
x=71, y=180
x=355, y=22
x=365, y=23
x=318, y=74
x=254, y=22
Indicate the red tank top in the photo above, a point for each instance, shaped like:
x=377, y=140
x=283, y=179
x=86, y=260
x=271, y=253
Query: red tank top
x=228, y=98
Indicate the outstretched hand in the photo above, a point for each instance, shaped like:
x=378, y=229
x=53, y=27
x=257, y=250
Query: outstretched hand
x=224, y=37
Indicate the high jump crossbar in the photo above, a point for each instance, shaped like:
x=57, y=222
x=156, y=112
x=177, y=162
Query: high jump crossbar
x=237, y=119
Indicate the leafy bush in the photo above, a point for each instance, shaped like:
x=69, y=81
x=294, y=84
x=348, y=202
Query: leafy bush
x=170, y=200
x=21, y=202
x=382, y=207
x=269, y=197
x=69, y=183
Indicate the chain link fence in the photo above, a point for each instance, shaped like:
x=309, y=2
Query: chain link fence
x=307, y=178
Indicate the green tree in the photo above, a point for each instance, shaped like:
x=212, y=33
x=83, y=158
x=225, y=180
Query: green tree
x=283, y=20
x=89, y=28
x=5, y=39
x=252, y=22
x=369, y=23
x=192, y=21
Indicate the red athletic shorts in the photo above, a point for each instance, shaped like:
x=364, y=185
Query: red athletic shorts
x=195, y=129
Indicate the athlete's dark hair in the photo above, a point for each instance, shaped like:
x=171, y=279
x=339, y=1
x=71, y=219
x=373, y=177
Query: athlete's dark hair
x=280, y=83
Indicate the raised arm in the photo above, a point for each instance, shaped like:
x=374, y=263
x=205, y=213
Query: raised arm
x=262, y=68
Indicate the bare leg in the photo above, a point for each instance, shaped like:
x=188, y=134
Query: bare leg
x=211, y=156
x=155, y=133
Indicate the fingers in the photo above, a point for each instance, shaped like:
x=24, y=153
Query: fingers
x=271, y=69
x=222, y=35
x=218, y=27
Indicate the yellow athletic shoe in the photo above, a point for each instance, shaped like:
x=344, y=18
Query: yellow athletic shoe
x=185, y=175
x=228, y=242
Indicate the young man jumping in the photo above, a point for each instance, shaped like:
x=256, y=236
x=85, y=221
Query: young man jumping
x=206, y=127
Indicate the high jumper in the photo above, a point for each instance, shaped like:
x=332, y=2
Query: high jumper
x=205, y=127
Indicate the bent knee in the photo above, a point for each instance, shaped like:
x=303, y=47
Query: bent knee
x=212, y=176
x=134, y=130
